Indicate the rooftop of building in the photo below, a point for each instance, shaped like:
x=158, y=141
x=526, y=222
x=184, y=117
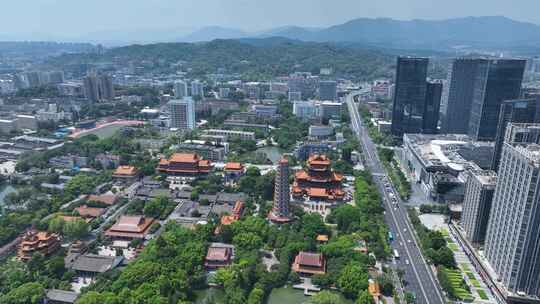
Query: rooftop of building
x=219, y=253
x=95, y=263
x=63, y=296
x=233, y=166
x=310, y=259
x=125, y=171
x=485, y=177
x=530, y=151
x=86, y=211
x=184, y=158
x=106, y=199
x=455, y=151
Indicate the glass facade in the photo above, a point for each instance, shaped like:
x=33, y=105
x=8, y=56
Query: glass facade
x=495, y=81
x=409, y=95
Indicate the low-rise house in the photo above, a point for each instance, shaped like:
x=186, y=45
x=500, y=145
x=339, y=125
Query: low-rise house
x=42, y=242
x=219, y=255
x=104, y=199
x=108, y=161
x=53, y=187
x=230, y=198
x=58, y=296
x=322, y=238
x=77, y=247
x=189, y=164
x=130, y=228
x=128, y=173
x=210, y=198
x=93, y=264
x=90, y=212
x=69, y=161
x=309, y=263
x=235, y=215
x=233, y=171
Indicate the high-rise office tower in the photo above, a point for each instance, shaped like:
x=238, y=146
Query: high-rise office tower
x=180, y=89
x=33, y=79
x=98, y=87
x=91, y=88
x=409, y=95
x=182, y=113
x=328, y=90
x=197, y=88
x=416, y=102
x=495, y=80
x=525, y=110
x=512, y=244
x=431, y=107
x=55, y=77
x=458, y=96
x=105, y=87
x=477, y=203
x=280, y=212
x=477, y=87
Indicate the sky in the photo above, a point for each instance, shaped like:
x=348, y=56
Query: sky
x=80, y=19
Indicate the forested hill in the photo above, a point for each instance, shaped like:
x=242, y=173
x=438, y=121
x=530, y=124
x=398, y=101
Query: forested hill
x=255, y=60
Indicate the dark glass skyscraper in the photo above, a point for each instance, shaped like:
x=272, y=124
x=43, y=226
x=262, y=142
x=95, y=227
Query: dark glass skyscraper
x=514, y=111
x=458, y=100
x=431, y=107
x=495, y=80
x=409, y=95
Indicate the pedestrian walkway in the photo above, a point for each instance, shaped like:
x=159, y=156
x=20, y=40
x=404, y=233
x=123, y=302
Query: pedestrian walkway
x=480, y=291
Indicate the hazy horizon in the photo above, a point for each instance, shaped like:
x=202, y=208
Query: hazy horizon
x=130, y=19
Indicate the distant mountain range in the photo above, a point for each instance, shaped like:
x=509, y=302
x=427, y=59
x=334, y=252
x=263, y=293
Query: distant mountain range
x=491, y=32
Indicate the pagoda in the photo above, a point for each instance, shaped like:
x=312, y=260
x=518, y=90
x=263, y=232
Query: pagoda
x=318, y=181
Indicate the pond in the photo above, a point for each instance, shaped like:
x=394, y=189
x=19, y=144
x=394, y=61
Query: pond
x=287, y=295
x=272, y=153
x=210, y=295
x=283, y=295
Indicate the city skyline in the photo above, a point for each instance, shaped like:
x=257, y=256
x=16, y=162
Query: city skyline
x=62, y=20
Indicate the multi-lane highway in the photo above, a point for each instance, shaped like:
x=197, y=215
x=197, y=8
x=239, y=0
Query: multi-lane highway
x=419, y=277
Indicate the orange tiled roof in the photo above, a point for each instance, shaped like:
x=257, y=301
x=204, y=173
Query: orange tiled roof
x=317, y=192
x=227, y=220
x=107, y=199
x=234, y=166
x=218, y=254
x=322, y=238
x=130, y=226
x=184, y=158
x=308, y=262
x=301, y=175
x=237, y=209
x=86, y=211
x=125, y=171
x=374, y=288
x=317, y=159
